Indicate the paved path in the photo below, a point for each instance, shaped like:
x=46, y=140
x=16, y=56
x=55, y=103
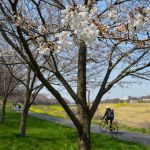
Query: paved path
x=123, y=135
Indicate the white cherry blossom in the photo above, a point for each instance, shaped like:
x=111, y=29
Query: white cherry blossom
x=80, y=21
x=44, y=50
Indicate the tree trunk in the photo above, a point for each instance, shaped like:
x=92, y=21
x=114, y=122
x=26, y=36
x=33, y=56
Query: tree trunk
x=83, y=140
x=24, y=121
x=3, y=110
x=82, y=110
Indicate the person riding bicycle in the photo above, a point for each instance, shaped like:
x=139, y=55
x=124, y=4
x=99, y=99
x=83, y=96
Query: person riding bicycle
x=109, y=115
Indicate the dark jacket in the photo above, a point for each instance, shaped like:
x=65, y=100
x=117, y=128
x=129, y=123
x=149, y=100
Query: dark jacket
x=109, y=113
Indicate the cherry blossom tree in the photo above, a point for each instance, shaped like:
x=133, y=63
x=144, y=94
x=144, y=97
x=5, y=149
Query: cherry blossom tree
x=31, y=87
x=84, y=44
x=19, y=71
x=7, y=83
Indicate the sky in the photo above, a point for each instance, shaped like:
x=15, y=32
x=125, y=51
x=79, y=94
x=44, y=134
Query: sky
x=135, y=90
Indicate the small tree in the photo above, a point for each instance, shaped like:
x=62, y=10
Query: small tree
x=30, y=84
x=7, y=83
x=81, y=45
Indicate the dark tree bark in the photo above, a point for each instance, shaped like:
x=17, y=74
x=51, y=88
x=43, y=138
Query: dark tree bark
x=4, y=101
x=83, y=140
x=24, y=121
x=83, y=112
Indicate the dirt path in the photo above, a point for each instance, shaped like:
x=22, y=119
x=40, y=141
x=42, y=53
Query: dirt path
x=123, y=135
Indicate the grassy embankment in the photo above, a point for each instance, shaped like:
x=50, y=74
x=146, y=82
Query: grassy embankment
x=43, y=135
x=130, y=116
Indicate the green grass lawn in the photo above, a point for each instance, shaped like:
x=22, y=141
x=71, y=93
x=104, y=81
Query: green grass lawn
x=43, y=135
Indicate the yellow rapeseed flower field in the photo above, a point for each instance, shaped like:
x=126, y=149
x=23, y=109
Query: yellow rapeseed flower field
x=132, y=115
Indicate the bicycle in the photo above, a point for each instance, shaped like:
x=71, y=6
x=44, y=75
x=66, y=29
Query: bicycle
x=113, y=128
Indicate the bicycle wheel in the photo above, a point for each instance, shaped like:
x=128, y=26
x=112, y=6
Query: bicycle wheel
x=103, y=126
x=113, y=128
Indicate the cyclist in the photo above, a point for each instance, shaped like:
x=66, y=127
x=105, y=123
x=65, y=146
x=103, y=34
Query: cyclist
x=109, y=115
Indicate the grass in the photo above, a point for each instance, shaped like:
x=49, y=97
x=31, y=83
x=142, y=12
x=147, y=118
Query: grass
x=43, y=135
x=130, y=116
